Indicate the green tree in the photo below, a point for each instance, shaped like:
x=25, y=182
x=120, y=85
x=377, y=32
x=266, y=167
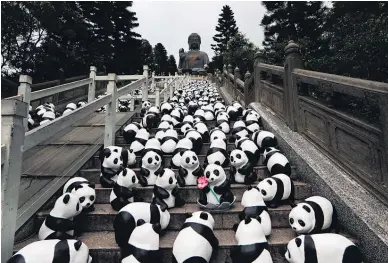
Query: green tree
x=161, y=58
x=147, y=54
x=172, y=67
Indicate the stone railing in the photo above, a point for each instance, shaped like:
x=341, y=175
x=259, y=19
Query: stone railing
x=346, y=118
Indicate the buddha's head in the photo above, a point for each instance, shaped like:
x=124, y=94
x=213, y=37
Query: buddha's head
x=194, y=41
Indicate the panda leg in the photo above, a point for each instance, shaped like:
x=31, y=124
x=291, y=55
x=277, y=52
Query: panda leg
x=179, y=201
x=106, y=182
x=250, y=178
x=119, y=203
x=158, y=201
x=292, y=195
x=123, y=224
x=202, y=198
x=227, y=197
x=334, y=222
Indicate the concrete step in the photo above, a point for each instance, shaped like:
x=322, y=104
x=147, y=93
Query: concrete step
x=120, y=138
x=102, y=218
x=137, y=118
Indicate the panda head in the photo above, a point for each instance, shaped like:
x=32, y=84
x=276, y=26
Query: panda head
x=166, y=117
x=111, y=157
x=218, y=143
x=165, y=125
x=128, y=179
x=145, y=235
x=151, y=160
x=146, y=105
x=78, y=251
x=185, y=143
x=238, y=158
x=185, y=127
x=222, y=115
x=215, y=174
x=170, y=133
x=249, y=231
x=302, y=218
x=252, y=197
x=166, y=179
x=71, y=106
x=268, y=189
x=189, y=160
x=154, y=109
x=153, y=144
x=200, y=217
x=295, y=250
x=217, y=133
x=143, y=134
x=66, y=206
x=269, y=150
x=86, y=194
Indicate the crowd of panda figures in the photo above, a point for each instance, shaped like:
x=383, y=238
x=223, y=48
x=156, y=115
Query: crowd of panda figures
x=139, y=224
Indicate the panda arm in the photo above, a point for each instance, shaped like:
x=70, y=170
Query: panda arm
x=160, y=192
x=183, y=172
x=246, y=169
x=144, y=172
x=232, y=170
x=198, y=172
x=222, y=188
x=157, y=172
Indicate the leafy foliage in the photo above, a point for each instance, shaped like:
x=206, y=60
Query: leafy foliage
x=171, y=65
x=160, y=58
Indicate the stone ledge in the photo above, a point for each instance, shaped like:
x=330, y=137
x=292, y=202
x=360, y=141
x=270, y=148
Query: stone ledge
x=360, y=213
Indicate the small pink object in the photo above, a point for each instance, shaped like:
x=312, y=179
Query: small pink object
x=202, y=182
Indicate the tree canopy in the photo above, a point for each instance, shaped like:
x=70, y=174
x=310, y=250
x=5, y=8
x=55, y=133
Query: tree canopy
x=160, y=59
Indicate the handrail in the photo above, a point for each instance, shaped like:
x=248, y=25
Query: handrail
x=61, y=88
x=130, y=87
x=16, y=97
x=277, y=70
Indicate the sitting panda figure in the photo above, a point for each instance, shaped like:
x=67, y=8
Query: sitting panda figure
x=153, y=144
x=59, y=223
x=141, y=138
x=149, y=120
x=166, y=108
x=154, y=110
x=248, y=112
x=217, y=153
x=217, y=133
x=200, y=115
x=190, y=169
x=322, y=248
x=250, y=148
x=151, y=165
x=112, y=159
x=196, y=240
x=165, y=125
x=238, y=131
x=254, y=207
x=130, y=132
x=183, y=145
x=252, y=123
x=264, y=139
x=223, y=121
x=192, y=108
x=125, y=221
x=218, y=106
x=50, y=251
x=203, y=130
x=124, y=190
x=232, y=112
x=194, y=136
x=209, y=112
x=176, y=116
x=314, y=215
x=143, y=244
x=276, y=189
x=218, y=189
x=168, y=141
x=276, y=162
x=238, y=107
x=186, y=124
x=166, y=192
x=252, y=245
x=85, y=191
x=145, y=106
x=241, y=168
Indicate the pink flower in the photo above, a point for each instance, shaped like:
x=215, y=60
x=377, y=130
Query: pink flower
x=202, y=182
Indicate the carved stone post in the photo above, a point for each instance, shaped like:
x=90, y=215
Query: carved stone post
x=92, y=85
x=246, y=88
x=165, y=98
x=157, y=96
x=25, y=90
x=256, y=76
x=145, y=85
x=237, y=75
x=291, y=99
x=110, y=119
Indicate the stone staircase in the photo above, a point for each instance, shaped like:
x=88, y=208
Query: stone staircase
x=99, y=236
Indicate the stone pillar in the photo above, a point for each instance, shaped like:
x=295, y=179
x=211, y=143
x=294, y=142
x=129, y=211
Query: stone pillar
x=291, y=100
x=92, y=85
x=246, y=88
x=256, y=75
x=230, y=69
x=111, y=107
x=25, y=90
x=145, y=85
x=237, y=75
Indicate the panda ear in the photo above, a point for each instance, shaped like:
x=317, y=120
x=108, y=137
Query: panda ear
x=249, y=187
x=92, y=186
x=78, y=187
x=298, y=241
x=258, y=218
x=305, y=207
x=181, y=153
x=66, y=199
x=77, y=245
x=157, y=228
x=204, y=216
x=247, y=220
x=140, y=222
x=104, y=153
x=161, y=173
x=235, y=226
x=188, y=215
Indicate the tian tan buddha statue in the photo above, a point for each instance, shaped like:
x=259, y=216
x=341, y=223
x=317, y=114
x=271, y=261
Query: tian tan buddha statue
x=194, y=61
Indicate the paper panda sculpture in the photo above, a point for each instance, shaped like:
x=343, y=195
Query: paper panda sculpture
x=124, y=190
x=252, y=123
x=49, y=251
x=238, y=131
x=140, y=141
x=276, y=189
x=241, y=168
x=218, y=106
x=112, y=159
x=168, y=141
x=223, y=121
x=276, y=162
x=200, y=115
x=264, y=139
x=182, y=146
x=322, y=248
x=84, y=190
x=314, y=215
x=232, y=112
x=196, y=240
x=177, y=116
x=194, y=136
x=151, y=165
x=59, y=223
x=125, y=221
x=149, y=120
x=143, y=244
x=238, y=107
x=209, y=112
x=69, y=108
x=252, y=245
x=190, y=169
x=153, y=144
x=145, y=106
x=166, y=192
x=250, y=148
x=203, y=130
x=130, y=132
x=248, y=112
x=166, y=108
x=218, y=189
x=254, y=207
x=217, y=153
x=186, y=124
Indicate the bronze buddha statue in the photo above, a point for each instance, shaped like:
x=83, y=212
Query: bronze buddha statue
x=193, y=61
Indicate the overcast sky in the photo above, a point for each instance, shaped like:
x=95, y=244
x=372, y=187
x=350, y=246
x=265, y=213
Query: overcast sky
x=171, y=22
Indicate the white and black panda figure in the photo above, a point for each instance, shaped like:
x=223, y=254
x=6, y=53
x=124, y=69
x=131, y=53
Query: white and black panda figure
x=277, y=189
x=232, y=112
x=145, y=106
x=130, y=132
x=112, y=159
x=47, y=117
x=238, y=107
x=196, y=240
x=192, y=107
x=177, y=116
x=217, y=153
x=125, y=221
x=69, y=108
x=250, y=112
x=168, y=141
x=190, y=169
x=59, y=224
x=241, y=168
x=322, y=248
x=217, y=193
x=151, y=166
x=252, y=245
x=52, y=251
x=81, y=104
x=217, y=133
x=85, y=191
x=187, y=123
x=143, y=244
x=238, y=131
x=166, y=108
x=250, y=148
x=194, y=136
x=149, y=120
x=140, y=141
x=209, y=112
x=264, y=139
x=276, y=162
x=254, y=207
x=223, y=121
x=200, y=115
x=203, y=130
x=315, y=214
x=183, y=145
x=252, y=123
x=154, y=110
x=154, y=145
x=218, y=106
x=124, y=190
x=166, y=192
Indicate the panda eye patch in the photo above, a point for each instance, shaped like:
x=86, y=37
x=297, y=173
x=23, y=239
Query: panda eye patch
x=215, y=138
x=291, y=221
x=300, y=222
x=216, y=172
x=238, y=156
x=77, y=208
x=91, y=198
x=116, y=151
x=194, y=158
x=269, y=182
x=207, y=174
x=133, y=179
x=170, y=181
x=187, y=160
x=81, y=199
x=157, y=158
x=115, y=161
x=264, y=192
x=150, y=160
